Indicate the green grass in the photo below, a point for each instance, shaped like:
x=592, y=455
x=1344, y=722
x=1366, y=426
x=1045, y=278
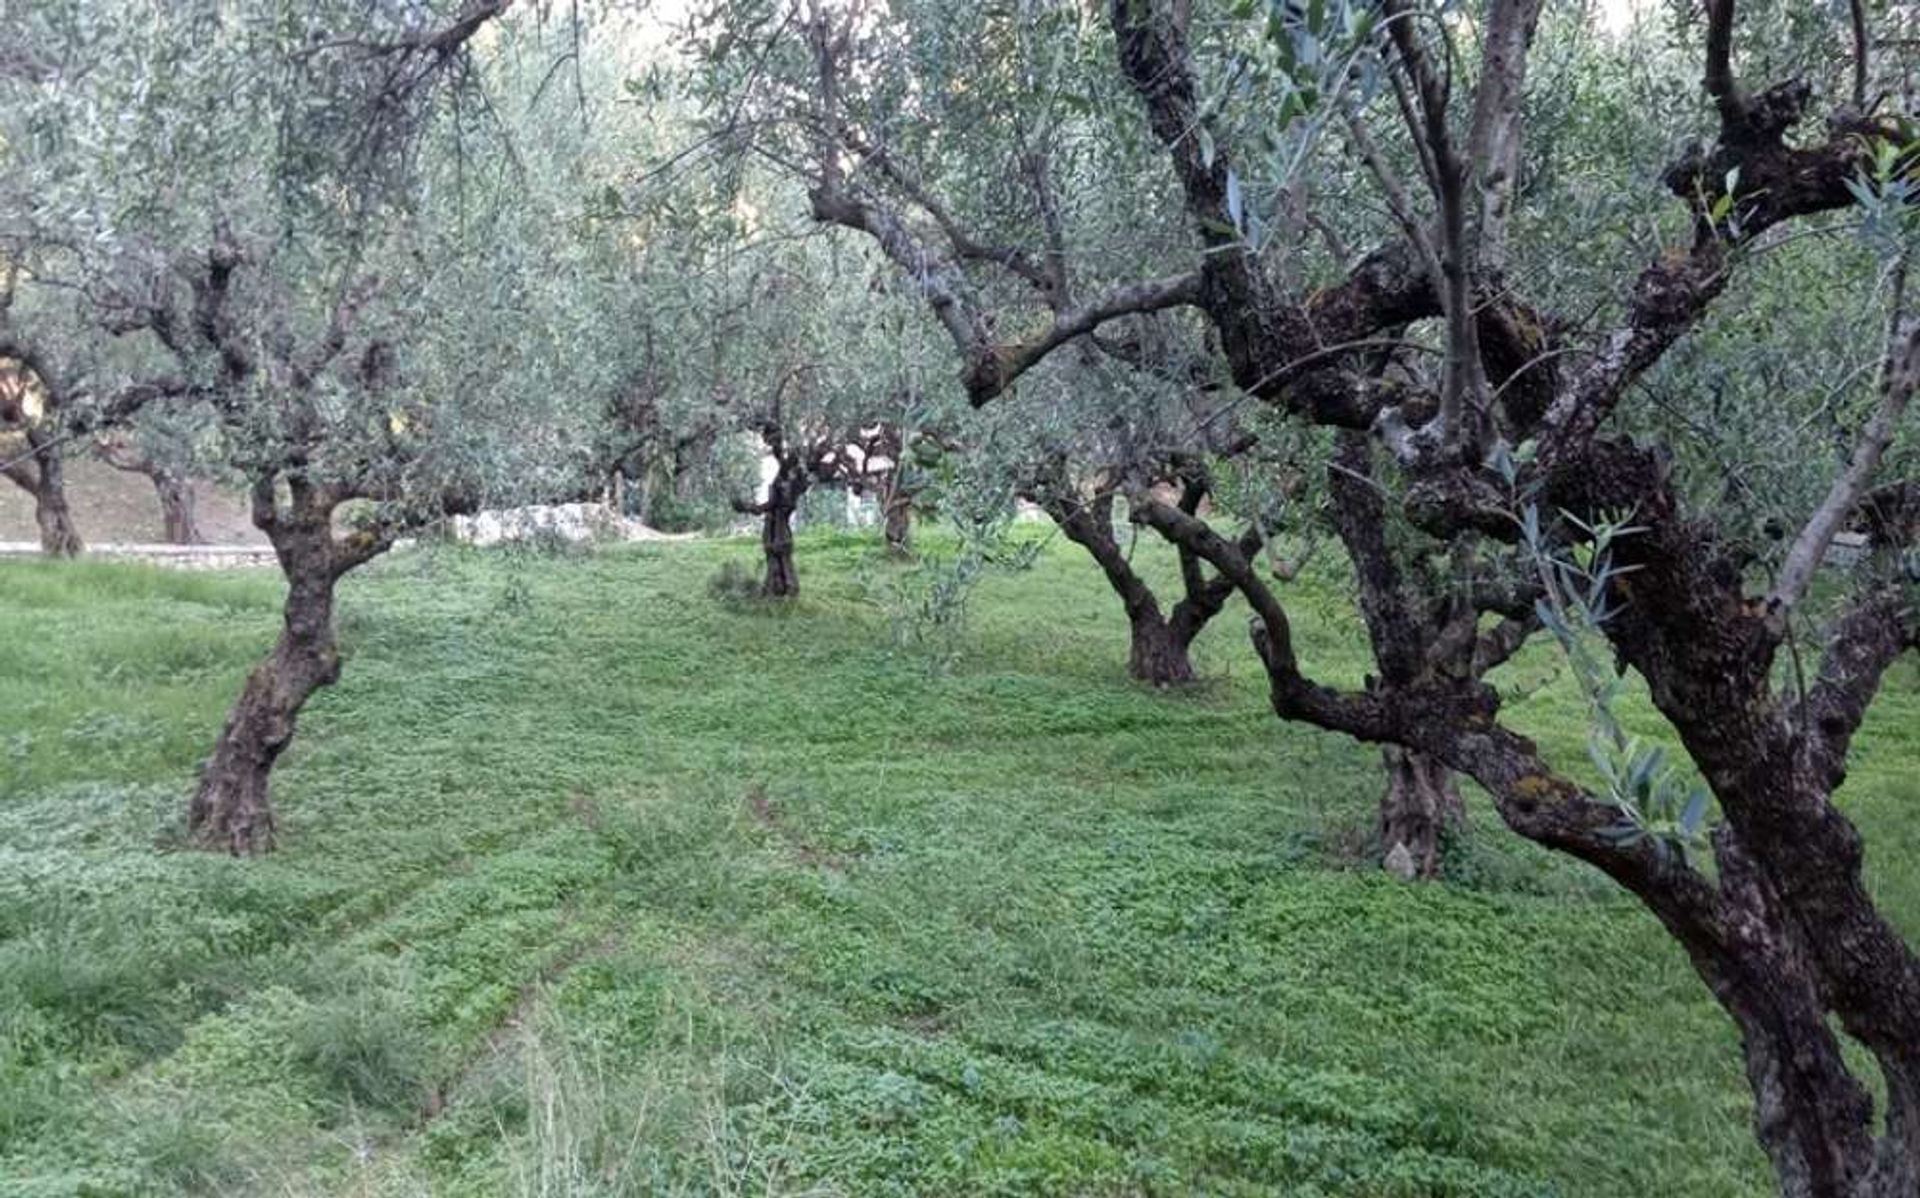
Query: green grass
x=592, y=885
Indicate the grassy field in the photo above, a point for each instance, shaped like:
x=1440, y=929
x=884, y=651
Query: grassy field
x=592, y=885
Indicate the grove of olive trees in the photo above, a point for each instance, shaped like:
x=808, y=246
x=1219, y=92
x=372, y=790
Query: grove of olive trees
x=1585, y=332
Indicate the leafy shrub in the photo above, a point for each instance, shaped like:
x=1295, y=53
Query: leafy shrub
x=105, y=987
x=734, y=584
x=364, y=1051
x=185, y=1153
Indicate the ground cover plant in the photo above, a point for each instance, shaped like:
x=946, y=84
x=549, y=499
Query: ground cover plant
x=739, y=910
x=1527, y=390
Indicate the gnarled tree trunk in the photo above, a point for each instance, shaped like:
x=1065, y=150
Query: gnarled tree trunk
x=1161, y=644
x=58, y=537
x=897, y=508
x=795, y=469
x=175, y=493
x=776, y=544
x=179, y=508
x=41, y=474
x=1413, y=637
x=1786, y=936
x=1420, y=803
x=790, y=483
x=1813, y=1118
x=1158, y=653
x=230, y=810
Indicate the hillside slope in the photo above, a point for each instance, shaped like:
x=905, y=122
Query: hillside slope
x=592, y=885
x=112, y=506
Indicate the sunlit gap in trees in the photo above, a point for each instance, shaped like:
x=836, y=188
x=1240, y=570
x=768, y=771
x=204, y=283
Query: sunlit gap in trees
x=1617, y=16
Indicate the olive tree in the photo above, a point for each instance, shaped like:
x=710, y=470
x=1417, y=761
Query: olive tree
x=1006, y=226
x=324, y=235
x=162, y=451
x=1009, y=227
x=1501, y=481
x=1783, y=930
x=819, y=369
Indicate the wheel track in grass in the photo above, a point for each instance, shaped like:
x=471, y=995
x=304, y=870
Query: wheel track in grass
x=495, y=1044
x=484, y=847
x=590, y=916
x=1239, y=1145
x=1228, y=1136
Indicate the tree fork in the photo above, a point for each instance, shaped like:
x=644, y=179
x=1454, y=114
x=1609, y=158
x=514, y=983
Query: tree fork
x=1157, y=652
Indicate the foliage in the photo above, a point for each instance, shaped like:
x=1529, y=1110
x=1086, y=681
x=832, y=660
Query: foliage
x=736, y=583
x=1656, y=799
x=927, y=601
x=374, y=307
x=371, y=255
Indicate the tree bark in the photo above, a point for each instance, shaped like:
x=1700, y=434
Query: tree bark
x=58, y=537
x=1412, y=637
x=776, y=542
x=790, y=483
x=1420, y=802
x=1829, y=953
x=1158, y=655
x=1812, y=1116
x=230, y=810
x=1708, y=656
x=898, y=512
x=43, y=477
x=178, y=508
